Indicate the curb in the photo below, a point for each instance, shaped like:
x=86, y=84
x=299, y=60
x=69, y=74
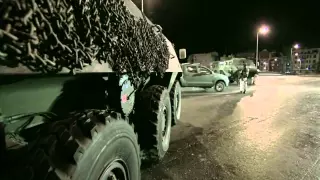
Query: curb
x=233, y=88
x=310, y=75
x=195, y=93
x=186, y=96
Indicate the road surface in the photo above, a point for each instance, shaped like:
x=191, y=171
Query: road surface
x=273, y=133
x=192, y=92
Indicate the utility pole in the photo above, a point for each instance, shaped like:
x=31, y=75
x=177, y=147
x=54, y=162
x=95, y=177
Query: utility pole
x=262, y=30
x=142, y=8
x=257, y=50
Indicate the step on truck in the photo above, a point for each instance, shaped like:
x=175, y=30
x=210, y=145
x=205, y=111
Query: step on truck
x=88, y=89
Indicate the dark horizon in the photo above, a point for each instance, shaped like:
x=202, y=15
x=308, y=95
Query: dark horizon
x=204, y=26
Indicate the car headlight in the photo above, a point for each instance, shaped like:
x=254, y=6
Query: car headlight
x=227, y=81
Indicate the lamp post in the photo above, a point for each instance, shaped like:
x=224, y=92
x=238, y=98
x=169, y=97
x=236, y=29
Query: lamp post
x=262, y=30
x=142, y=5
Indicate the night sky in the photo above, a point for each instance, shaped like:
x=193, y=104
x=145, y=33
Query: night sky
x=230, y=26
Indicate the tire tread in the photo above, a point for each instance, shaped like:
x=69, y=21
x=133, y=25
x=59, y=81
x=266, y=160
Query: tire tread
x=149, y=101
x=60, y=146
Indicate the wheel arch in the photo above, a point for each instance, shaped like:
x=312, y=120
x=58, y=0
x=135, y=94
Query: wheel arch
x=167, y=80
x=219, y=80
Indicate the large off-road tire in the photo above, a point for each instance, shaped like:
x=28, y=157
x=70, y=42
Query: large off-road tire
x=175, y=100
x=87, y=146
x=219, y=86
x=154, y=123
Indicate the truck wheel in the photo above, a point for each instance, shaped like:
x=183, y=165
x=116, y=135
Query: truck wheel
x=219, y=87
x=175, y=99
x=154, y=123
x=91, y=145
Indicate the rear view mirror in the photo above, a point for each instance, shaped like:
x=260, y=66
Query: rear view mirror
x=182, y=53
x=159, y=28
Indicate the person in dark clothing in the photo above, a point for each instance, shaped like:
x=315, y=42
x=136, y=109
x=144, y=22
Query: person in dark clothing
x=243, y=77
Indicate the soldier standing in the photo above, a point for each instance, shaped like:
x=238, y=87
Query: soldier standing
x=244, y=73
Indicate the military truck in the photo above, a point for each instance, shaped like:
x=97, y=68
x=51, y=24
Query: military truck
x=238, y=66
x=87, y=90
x=196, y=75
x=233, y=66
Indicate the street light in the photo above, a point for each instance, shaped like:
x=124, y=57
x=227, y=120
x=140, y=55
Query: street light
x=262, y=30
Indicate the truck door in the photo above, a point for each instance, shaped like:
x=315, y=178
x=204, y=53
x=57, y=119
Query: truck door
x=205, y=77
x=190, y=75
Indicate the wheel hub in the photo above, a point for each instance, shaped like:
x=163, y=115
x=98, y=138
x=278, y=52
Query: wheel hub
x=127, y=95
x=115, y=171
x=219, y=87
x=165, y=130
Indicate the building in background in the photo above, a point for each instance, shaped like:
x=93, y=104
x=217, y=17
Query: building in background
x=268, y=60
x=286, y=64
x=247, y=55
x=306, y=59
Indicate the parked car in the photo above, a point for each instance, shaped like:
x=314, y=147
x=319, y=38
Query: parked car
x=195, y=75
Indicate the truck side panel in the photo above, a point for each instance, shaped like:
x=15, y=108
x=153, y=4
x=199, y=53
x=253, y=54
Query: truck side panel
x=59, y=94
x=27, y=95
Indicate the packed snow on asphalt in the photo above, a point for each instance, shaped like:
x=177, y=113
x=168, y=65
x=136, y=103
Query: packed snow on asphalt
x=272, y=132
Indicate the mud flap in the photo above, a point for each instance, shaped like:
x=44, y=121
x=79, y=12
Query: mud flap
x=172, y=80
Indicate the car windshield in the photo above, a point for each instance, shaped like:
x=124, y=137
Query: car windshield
x=204, y=70
x=222, y=72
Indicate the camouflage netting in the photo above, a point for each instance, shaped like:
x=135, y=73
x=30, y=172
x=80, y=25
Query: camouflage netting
x=47, y=35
